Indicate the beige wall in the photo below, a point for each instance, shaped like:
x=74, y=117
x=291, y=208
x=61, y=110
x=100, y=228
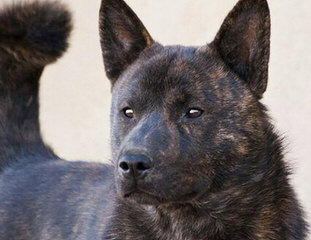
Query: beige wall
x=75, y=94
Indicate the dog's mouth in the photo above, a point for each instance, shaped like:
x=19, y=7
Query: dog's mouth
x=147, y=198
x=143, y=197
x=152, y=193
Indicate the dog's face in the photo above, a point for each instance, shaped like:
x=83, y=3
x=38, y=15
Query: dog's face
x=184, y=118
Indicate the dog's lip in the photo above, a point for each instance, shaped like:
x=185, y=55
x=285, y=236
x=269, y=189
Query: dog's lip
x=143, y=197
x=187, y=198
x=137, y=191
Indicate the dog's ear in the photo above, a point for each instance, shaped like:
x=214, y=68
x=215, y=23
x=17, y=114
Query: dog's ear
x=243, y=43
x=123, y=37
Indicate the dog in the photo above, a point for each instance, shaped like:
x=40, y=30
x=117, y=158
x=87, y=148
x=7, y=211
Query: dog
x=195, y=156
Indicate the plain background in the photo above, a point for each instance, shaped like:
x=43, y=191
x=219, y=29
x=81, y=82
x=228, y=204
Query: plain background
x=75, y=94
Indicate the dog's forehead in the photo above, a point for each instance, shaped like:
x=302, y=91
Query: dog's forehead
x=172, y=69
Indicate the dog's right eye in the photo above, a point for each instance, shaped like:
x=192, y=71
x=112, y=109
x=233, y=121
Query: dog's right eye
x=194, y=113
x=128, y=112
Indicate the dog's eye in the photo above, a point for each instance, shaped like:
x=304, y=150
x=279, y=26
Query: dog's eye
x=194, y=113
x=128, y=112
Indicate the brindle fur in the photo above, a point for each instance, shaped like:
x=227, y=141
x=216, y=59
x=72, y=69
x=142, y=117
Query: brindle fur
x=219, y=176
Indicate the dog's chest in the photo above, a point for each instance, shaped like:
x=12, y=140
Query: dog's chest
x=176, y=232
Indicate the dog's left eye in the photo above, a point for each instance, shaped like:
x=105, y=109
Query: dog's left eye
x=194, y=113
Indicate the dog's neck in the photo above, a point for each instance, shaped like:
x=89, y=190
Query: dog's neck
x=215, y=218
x=182, y=222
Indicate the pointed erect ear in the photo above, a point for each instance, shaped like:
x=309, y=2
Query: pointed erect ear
x=243, y=43
x=123, y=37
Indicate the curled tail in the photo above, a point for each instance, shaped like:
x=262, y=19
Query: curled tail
x=32, y=35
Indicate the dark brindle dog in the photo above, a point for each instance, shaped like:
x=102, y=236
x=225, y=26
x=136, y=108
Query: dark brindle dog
x=195, y=156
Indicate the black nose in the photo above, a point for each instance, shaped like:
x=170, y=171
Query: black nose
x=136, y=166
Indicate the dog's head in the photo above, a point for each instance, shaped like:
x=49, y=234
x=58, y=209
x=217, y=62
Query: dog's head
x=184, y=119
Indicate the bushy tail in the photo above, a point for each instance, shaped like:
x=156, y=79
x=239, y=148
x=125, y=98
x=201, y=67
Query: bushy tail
x=32, y=35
